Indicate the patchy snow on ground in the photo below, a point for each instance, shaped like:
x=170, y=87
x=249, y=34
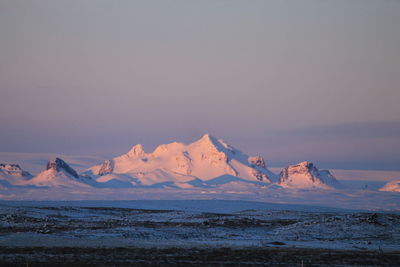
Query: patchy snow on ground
x=193, y=224
x=342, y=199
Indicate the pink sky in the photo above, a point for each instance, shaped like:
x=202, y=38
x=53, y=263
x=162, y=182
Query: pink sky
x=290, y=80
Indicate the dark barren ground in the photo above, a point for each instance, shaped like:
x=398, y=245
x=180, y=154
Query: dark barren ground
x=87, y=236
x=42, y=256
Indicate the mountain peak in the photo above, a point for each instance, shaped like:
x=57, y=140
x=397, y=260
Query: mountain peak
x=58, y=165
x=305, y=174
x=206, y=136
x=13, y=170
x=208, y=141
x=209, y=138
x=136, y=150
x=302, y=167
x=161, y=149
x=206, y=158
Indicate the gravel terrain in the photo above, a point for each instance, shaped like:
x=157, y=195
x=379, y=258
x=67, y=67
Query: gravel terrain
x=66, y=235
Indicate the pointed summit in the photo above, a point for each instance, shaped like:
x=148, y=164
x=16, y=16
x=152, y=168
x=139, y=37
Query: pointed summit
x=59, y=174
x=58, y=165
x=207, y=138
x=208, y=141
x=136, y=151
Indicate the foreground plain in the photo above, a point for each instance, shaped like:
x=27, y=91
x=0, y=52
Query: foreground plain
x=194, y=233
x=40, y=256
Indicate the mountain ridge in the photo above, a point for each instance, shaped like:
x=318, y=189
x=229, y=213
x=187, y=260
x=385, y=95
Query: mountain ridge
x=206, y=158
x=206, y=162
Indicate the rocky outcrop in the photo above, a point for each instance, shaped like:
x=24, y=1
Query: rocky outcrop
x=257, y=161
x=13, y=170
x=305, y=174
x=58, y=164
x=107, y=167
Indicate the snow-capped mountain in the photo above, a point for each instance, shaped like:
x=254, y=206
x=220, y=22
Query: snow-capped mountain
x=306, y=175
x=205, y=163
x=58, y=174
x=205, y=159
x=13, y=174
x=205, y=169
x=393, y=186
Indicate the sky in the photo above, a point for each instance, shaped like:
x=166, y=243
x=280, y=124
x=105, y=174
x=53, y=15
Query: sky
x=289, y=80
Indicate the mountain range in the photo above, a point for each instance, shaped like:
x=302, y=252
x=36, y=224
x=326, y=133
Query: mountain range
x=207, y=162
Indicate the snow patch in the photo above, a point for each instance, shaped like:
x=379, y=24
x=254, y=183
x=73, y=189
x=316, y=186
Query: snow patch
x=393, y=186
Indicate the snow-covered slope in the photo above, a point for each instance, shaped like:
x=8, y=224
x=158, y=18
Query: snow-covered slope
x=34, y=162
x=59, y=174
x=306, y=175
x=205, y=159
x=13, y=174
x=393, y=186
